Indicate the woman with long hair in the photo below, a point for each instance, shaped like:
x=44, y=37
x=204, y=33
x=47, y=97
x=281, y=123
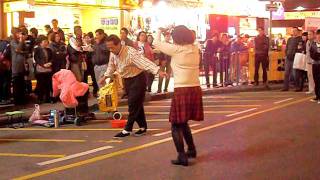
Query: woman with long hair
x=143, y=46
x=187, y=99
x=59, y=52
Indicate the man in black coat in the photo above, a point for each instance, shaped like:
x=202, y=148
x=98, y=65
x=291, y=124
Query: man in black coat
x=261, y=56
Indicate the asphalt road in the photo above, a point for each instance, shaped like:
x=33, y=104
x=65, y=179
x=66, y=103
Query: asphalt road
x=253, y=135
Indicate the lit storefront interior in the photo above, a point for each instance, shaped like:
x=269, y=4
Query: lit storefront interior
x=90, y=14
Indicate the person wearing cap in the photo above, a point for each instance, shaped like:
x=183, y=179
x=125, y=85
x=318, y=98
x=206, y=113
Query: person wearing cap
x=291, y=49
x=130, y=64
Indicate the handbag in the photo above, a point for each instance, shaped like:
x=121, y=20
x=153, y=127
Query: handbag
x=300, y=61
x=41, y=69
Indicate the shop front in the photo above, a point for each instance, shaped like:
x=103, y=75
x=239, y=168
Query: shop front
x=169, y=13
x=90, y=14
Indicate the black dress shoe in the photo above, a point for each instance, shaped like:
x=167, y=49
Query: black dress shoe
x=181, y=160
x=191, y=153
x=122, y=134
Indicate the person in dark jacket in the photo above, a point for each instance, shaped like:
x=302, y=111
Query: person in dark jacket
x=88, y=40
x=43, y=70
x=5, y=72
x=315, y=55
x=18, y=57
x=301, y=75
x=59, y=52
x=291, y=50
x=100, y=58
x=210, y=59
x=261, y=56
x=225, y=59
x=56, y=29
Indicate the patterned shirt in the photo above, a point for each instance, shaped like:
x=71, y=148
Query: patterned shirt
x=129, y=63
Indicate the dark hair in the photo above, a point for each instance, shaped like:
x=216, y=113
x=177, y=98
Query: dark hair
x=305, y=34
x=150, y=35
x=125, y=30
x=114, y=38
x=40, y=39
x=15, y=30
x=181, y=35
x=52, y=36
x=141, y=32
x=100, y=31
x=47, y=26
x=75, y=28
x=24, y=30
x=34, y=31
x=90, y=34
x=318, y=32
x=54, y=20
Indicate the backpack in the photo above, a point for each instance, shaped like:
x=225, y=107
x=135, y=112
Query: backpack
x=5, y=56
x=315, y=52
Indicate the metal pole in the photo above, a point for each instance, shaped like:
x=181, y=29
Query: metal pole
x=270, y=27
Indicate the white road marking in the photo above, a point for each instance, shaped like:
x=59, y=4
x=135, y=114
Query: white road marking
x=74, y=155
x=205, y=106
x=285, y=100
x=241, y=112
x=167, y=132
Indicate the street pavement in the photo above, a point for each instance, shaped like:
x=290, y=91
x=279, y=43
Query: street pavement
x=245, y=135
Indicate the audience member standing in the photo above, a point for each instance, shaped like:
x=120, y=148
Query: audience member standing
x=101, y=54
x=291, y=49
x=56, y=29
x=43, y=64
x=315, y=55
x=145, y=49
x=311, y=37
x=18, y=56
x=261, y=44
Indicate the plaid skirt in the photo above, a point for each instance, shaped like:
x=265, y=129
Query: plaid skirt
x=186, y=105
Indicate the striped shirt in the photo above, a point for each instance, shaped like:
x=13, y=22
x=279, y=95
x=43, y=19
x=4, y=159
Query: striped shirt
x=129, y=63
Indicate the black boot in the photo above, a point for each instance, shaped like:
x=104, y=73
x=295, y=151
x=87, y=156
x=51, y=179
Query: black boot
x=191, y=153
x=177, y=136
x=181, y=160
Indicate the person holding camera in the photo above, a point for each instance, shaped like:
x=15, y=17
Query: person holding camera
x=18, y=56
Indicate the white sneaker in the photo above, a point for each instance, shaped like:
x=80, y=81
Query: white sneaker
x=319, y=102
x=309, y=92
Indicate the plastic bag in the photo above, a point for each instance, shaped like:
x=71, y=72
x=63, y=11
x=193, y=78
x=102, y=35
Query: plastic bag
x=108, y=97
x=36, y=113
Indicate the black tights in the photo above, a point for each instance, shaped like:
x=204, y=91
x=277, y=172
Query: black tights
x=180, y=132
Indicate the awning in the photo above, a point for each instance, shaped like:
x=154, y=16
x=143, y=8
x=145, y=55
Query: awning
x=288, y=23
x=309, y=5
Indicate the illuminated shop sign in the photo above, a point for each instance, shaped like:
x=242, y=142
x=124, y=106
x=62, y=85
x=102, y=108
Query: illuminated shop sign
x=110, y=23
x=301, y=15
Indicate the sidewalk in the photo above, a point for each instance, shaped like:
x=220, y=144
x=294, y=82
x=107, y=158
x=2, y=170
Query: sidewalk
x=45, y=108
